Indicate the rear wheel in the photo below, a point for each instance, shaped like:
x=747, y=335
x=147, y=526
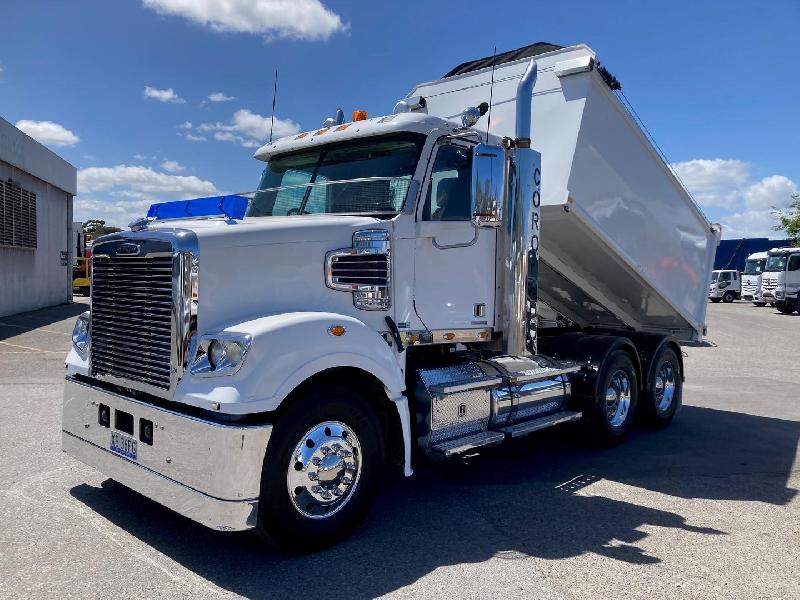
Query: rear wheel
x=321, y=471
x=664, y=393
x=728, y=297
x=610, y=415
x=785, y=306
x=715, y=300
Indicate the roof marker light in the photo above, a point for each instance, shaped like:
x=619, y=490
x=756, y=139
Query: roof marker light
x=359, y=115
x=302, y=135
x=343, y=127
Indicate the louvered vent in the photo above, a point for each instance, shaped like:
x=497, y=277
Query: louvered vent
x=132, y=318
x=360, y=269
x=17, y=216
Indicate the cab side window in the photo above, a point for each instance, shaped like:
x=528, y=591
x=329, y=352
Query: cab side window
x=448, y=197
x=794, y=263
x=725, y=276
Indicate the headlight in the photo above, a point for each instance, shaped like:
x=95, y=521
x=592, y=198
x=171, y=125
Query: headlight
x=220, y=354
x=80, y=333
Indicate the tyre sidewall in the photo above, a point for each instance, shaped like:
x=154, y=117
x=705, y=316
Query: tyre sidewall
x=653, y=416
x=602, y=430
x=279, y=522
x=728, y=297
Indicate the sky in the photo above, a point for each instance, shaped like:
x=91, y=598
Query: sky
x=165, y=99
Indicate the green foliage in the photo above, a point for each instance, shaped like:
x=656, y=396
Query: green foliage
x=789, y=220
x=97, y=227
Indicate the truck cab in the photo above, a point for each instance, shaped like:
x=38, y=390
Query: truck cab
x=781, y=280
x=725, y=285
x=251, y=361
x=751, y=278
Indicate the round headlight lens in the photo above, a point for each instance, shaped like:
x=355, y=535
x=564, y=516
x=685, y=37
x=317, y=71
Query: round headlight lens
x=216, y=353
x=233, y=351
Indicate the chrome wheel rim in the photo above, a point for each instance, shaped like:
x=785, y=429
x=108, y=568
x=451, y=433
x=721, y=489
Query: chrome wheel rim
x=324, y=470
x=665, y=387
x=618, y=398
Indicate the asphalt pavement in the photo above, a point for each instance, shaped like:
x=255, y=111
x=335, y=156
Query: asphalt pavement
x=707, y=508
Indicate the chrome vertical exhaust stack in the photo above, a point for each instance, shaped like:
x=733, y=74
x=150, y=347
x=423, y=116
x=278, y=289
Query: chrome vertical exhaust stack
x=522, y=229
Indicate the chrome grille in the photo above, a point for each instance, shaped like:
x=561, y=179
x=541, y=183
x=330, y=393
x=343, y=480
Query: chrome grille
x=132, y=325
x=769, y=284
x=360, y=269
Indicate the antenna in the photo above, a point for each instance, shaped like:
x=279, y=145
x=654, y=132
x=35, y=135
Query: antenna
x=274, y=96
x=491, y=91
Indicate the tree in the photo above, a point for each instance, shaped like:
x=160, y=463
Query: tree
x=789, y=220
x=97, y=227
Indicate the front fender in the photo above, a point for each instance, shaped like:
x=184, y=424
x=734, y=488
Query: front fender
x=287, y=349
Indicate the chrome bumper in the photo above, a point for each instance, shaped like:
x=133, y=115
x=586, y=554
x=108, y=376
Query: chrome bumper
x=207, y=471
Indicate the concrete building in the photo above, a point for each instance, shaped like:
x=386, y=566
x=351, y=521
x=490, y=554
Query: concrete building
x=36, y=191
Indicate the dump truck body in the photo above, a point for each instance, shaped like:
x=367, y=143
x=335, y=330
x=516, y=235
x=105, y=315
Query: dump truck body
x=623, y=243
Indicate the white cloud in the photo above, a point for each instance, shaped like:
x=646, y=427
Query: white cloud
x=742, y=205
x=123, y=193
x=173, y=166
x=88, y=156
x=48, y=133
x=220, y=97
x=300, y=19
x=249, y=129
x=195, y=138
x=714, y=183
x=186, y=125
x=167, y=95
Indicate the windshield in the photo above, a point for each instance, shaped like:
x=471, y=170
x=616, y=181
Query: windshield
x=776, y=263
x=375, y=175
x=752, y=267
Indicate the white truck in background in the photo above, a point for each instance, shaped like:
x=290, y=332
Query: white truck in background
x=251, y=361
x=725, y=285
x=751, y=278
x=780, y=282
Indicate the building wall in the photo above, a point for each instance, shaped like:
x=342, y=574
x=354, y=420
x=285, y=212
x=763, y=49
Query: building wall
x=32, y=278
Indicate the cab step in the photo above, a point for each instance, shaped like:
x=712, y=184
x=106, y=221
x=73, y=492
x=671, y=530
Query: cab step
x=526, y=427
x=470, y=442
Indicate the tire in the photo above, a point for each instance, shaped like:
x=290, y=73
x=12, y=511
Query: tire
x=760, y=303
x=664, y=394
x=728, y=297
x=322, y=423
x=616, y=383
x=785, y=307
x=715, y=300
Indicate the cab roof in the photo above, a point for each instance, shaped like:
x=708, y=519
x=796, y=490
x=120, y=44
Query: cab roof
x=785, y=251
x=399, y=123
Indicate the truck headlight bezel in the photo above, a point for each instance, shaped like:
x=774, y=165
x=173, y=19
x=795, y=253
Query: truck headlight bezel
x=81, y=333
x=220, y=354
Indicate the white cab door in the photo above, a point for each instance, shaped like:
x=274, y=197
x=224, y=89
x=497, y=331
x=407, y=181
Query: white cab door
x=454, y=260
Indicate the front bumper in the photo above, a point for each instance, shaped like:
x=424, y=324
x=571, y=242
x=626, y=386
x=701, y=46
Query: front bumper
x=204, y=470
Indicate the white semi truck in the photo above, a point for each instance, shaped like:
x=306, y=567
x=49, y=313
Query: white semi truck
x=781, y=280
x=378, y=302
x=751, y=278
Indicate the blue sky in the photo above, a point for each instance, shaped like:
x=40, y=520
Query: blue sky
x=113, y=86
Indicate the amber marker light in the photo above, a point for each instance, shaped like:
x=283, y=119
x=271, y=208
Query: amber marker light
x=359, y=115
x=337, y=330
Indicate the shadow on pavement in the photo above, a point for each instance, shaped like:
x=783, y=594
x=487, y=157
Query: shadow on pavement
x=14, y=325
x=512, y=502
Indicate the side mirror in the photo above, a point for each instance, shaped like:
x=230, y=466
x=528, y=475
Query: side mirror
x=488, y=185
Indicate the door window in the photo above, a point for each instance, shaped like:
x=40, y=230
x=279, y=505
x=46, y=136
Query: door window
x=794, y=263
x=448, y=197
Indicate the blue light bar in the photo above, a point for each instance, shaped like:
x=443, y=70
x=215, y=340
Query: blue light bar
x=233, y=207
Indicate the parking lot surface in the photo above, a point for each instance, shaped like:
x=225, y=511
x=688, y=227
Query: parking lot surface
x=705, y=508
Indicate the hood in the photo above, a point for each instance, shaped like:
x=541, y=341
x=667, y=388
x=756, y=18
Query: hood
x=267, y=265
x=264, y=265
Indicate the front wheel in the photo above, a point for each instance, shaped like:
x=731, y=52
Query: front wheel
x=760, y=303
x=728, y=297
x=321, y=470
x=715, y=300
x=785, y=306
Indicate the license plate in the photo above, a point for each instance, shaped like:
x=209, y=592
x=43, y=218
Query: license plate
x=123, y=445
